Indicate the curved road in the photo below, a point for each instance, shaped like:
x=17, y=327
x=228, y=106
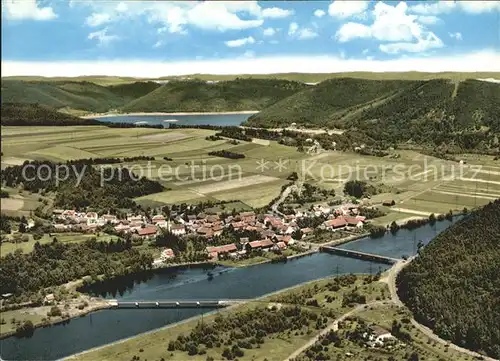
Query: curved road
x=333, y=325
x=390, y=279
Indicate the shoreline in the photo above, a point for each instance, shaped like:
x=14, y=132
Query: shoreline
x=227, y=309
x=104, y=115
x=102, y=304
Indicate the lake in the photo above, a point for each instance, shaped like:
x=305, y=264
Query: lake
x=102, y=327
x=223, y=120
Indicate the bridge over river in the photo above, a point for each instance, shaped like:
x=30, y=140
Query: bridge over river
x=360, y=255
x=178, y=304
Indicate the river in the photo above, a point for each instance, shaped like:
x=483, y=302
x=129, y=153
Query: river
x=106, y=326
x=191, y=119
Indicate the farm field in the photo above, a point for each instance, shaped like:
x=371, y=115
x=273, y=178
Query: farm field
x=26, y=247
x=419, y=184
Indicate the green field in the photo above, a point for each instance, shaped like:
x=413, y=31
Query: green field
x=11, y=246
x=419, y=184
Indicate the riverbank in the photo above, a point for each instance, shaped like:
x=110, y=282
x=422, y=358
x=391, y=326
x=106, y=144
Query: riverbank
x=39, y=315
x=104, y=115
x=141, y=341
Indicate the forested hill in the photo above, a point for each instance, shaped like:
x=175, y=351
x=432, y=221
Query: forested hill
x=327, y=102
x=74, y=95
x=454, y=285
x=201, y=96
x=147, y=96
x=436, y=112
x=34, y=114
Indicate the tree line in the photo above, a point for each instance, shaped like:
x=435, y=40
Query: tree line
x=452, y=287
x=56, y=263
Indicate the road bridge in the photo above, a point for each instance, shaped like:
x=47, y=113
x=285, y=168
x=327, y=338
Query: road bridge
x=178, y=304
x=360, y=255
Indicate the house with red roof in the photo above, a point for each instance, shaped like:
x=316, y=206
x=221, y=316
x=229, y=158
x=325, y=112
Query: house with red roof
x=147, y=232
x=335, y=223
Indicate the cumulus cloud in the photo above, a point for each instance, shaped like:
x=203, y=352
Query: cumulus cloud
x=392, y=24
x=443, y=7
x=276, y=13
x=456, y=36
x=240, y=42
x=345, y=9
x=292, y=29
x=102, y=37
x=428, y=19
x=319, y=13
x=306, y=33
x=269, y=32
x=97, y=19
x=176, y=16
x=27, y=10
x=483, y=61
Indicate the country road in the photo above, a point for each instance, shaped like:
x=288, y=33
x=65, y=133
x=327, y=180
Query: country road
x=333, y=325
x=390, y=279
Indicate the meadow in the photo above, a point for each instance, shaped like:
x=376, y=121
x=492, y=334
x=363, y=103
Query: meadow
x=418, y=184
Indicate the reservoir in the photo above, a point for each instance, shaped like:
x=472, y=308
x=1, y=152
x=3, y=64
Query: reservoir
x=102, y=327
x=223, y=120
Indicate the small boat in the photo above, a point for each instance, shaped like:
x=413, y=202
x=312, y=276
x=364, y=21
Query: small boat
x=170, y=120
x=141, y=123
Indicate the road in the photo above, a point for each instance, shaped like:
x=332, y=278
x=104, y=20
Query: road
x=390, y=279
x=333, y=325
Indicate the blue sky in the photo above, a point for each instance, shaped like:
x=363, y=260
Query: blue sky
x=160, y=38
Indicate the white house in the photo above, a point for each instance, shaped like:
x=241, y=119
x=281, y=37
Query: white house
x=178, y=229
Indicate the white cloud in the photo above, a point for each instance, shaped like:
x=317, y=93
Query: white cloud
x=292, y=29
x=215, y=15
x=443, y=7
x=456, y=36
x=471, y=62
x=26, y=10
x=351, y=30
x=176, y=16
x=319, y=13
x=345, y=9
x=428, y=19
x=102, y=37
x=97, y=19
x=240, y=42
x=429, y=41
x=276, y=13
x=269, y=32
x=306, y=33
x=121, y=7
x=478, y=7
x=392, y=24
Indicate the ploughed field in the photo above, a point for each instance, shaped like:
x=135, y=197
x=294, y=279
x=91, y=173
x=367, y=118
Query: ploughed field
x=418, y=184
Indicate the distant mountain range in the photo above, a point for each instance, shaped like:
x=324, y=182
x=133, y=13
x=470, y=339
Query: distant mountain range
x=444, y=109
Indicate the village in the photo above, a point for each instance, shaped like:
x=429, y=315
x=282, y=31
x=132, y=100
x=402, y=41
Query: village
x=276, y=231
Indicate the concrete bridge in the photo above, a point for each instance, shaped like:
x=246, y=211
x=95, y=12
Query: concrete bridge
x=179, y=304
x=360, y=255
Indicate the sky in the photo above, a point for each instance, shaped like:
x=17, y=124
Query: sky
x=160, y=38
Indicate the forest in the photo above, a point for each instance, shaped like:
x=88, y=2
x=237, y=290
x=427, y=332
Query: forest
x=35, y=114
x=453, y=286
x=435, y=113
x=79, y=185
x=226, y=154
x=56, y=263
x=200, y=96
